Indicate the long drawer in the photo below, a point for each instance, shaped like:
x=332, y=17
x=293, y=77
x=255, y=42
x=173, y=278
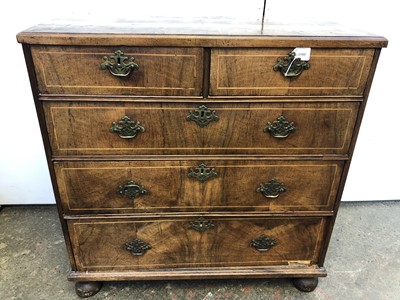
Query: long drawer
x=250, y=72
x=117, y=244
x=157, y=71
x=192, y=128
x=197, y=185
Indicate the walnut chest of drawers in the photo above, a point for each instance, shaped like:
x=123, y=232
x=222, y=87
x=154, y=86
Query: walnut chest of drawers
x=190, y=152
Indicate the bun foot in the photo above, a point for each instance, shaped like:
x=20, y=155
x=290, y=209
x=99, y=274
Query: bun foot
x=307, y=284
x=85, y=289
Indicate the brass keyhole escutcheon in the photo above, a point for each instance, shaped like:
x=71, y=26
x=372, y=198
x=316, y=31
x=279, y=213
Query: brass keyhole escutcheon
x=118, y=64
x=201, y=224
x=202, y=116
x=202, y=172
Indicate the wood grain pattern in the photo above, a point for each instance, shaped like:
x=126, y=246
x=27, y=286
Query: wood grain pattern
x=238, y=72
x=310, y=186
x=83, y=128
x=99, y=245
x=162, y=71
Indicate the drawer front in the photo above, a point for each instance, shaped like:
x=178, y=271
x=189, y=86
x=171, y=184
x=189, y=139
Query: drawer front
x=160, y=71
x=250, y=72
x=160, y=186
x=84, y=128
x=174, y=243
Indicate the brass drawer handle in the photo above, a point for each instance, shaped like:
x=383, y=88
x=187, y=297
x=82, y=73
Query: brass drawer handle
x=202, y=172
x=280, y=128
x=137, y=247
x=289, y=66
x=263, y=243
x=126, y=128
x=132, y=190
x=117, y=66
x=201, y=224
x=271, y=189
x=202, y=116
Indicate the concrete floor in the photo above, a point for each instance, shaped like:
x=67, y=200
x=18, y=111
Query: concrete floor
x=363, y=262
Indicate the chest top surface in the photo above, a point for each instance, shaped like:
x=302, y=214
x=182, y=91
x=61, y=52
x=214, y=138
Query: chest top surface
x=205, y=32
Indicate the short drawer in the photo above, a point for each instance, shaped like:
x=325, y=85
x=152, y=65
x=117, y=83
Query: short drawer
x=194, y=185
x=250, y=72
x=158, y=71
x=180, y=128
x=117, y=244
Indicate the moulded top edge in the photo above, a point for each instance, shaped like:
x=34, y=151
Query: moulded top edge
x=199, y=32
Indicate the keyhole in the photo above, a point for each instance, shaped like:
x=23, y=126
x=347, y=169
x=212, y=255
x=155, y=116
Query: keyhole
x=202, y=171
